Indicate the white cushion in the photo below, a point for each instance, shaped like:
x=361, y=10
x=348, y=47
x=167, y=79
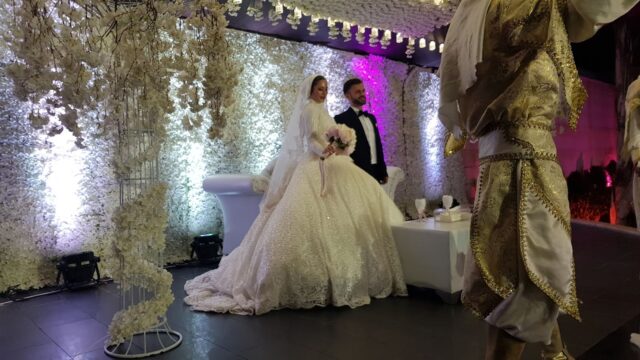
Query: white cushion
x=229, y=184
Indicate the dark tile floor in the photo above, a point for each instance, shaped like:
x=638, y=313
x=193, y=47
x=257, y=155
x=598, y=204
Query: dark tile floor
x=73, y=325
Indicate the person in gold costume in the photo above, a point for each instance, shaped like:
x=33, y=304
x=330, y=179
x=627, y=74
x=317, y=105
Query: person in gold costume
x=631, y=147
x=507, y=73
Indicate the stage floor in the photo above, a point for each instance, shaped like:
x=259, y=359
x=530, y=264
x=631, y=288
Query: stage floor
x=73, y=325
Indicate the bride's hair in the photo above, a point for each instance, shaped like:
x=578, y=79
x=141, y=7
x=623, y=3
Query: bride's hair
x=315, y=82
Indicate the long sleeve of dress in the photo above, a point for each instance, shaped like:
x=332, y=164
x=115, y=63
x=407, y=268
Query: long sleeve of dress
x=312, y=132
x=585, y=17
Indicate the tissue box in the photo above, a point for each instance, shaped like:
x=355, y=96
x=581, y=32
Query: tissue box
x=449, y=217
x=452, y=216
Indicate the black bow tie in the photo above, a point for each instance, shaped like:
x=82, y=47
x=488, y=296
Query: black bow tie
x=360, y=113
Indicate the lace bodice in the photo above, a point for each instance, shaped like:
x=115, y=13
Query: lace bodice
x=315, y=122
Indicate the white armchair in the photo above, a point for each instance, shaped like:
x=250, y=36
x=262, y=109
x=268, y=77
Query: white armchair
x=396, y=176
x=240, y=197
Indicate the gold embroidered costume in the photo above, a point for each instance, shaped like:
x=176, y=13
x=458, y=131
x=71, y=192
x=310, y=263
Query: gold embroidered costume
x=506, y=76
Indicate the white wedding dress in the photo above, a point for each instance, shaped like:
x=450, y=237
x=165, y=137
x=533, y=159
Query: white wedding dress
x=310, y=249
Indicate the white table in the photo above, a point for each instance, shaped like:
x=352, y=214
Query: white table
x=433, y=254
x=240, y=205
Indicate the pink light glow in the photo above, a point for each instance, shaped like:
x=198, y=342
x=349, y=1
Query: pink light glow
x=609, y=180
x=371, y=71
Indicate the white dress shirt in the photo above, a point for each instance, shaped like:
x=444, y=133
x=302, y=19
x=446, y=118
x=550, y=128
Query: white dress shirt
x=370, y=133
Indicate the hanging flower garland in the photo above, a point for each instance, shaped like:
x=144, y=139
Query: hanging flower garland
x=72, y=58
x=208, y=73
x=411, y=20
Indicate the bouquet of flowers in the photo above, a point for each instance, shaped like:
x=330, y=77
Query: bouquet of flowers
x=343, y=139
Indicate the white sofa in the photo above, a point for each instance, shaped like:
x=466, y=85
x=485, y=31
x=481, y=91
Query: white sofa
x=240, y=197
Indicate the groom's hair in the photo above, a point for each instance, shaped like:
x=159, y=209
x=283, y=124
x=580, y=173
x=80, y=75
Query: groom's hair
x=350, y=83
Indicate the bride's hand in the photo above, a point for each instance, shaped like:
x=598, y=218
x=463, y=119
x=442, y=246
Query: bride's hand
x=328, y=151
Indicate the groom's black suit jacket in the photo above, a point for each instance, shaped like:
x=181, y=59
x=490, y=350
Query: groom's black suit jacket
x=362, y=154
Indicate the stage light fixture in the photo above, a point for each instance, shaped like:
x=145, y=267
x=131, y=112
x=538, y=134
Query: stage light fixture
x=207, y=248
x=79, y=270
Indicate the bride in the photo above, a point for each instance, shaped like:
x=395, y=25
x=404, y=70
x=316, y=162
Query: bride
x=323, y=235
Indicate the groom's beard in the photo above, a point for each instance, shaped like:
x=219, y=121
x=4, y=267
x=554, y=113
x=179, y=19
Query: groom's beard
x=360, y=101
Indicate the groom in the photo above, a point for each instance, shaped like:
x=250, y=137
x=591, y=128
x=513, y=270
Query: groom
x=368, y=153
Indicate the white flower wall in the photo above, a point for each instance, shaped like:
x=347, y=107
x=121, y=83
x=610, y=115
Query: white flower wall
x=58, y=199
x=429, y=174
x=55, y=198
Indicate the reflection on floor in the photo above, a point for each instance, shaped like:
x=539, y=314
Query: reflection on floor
x=73, y=325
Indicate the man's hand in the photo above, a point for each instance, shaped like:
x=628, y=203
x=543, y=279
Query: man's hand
x=453, y=144
x=635, y=158
x=384, y=180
